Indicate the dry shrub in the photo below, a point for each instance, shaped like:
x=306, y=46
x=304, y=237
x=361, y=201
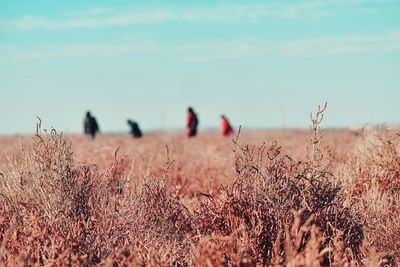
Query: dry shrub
x=267, y=187
x=375, y=163
x=276, y=211
x=57, y=208
x=371, y=181
x=163, y=222
x=218, y=250
x=56, y=213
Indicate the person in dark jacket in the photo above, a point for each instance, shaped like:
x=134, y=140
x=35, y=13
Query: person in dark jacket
x=90, y=125
x=135, y=130
x=192, y=122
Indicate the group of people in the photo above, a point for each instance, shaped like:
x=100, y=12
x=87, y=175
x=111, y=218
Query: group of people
x=91, y=127
x=192, y=122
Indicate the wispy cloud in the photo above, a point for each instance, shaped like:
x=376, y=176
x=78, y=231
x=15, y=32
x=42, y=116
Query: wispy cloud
x=222, y=50
x=355, y=43
x=92, y=11
x=351, y=44
x=209, y=51
x=228, y=12
x=31, y=23
x=48, y=52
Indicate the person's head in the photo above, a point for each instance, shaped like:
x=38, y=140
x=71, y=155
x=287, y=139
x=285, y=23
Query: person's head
x=88, y=115
x=223, y=117
x=190, y=110
x=129, y=121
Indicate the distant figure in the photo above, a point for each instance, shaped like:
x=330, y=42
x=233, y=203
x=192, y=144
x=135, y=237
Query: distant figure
x=90, y=125
x=135, y=130
x=226, y=128
x=191, y=122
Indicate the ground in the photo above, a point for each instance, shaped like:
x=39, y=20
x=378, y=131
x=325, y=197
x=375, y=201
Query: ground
x=167, y=199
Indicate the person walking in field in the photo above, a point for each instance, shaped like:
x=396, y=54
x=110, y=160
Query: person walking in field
x=192, y=122
x=226, y=128
x=90, y=125
x=135, y=130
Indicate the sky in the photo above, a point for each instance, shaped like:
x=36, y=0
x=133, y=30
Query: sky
x=265, y=64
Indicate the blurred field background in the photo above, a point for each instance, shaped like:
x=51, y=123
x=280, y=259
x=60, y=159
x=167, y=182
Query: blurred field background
x=261, y=198
x=205, y=160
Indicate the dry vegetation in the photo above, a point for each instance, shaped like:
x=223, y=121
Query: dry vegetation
x=277, y=198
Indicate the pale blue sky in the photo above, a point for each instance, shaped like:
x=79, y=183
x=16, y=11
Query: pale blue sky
x=149, y=60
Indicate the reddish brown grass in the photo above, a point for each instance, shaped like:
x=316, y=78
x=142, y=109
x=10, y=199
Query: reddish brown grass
x=288, y=198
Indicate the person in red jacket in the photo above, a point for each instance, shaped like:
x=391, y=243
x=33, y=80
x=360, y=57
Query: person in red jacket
x=226, y=128
x=191, y=123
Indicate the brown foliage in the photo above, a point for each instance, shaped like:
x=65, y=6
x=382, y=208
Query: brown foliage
x=260, y=207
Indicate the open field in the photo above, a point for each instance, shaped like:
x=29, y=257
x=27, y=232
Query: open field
x=201, y=163
x=267, y=198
